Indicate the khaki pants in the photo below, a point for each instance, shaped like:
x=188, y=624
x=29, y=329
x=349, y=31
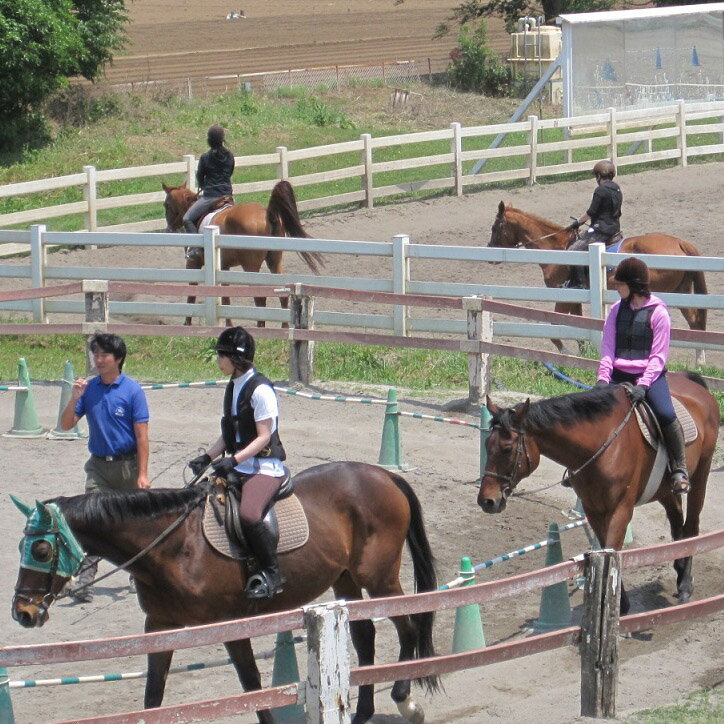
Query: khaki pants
x=110, y=475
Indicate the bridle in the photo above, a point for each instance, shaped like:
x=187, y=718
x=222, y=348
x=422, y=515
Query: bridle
x=521, y=449
x=526, y=244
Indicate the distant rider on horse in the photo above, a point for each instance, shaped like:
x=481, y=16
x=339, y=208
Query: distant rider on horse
x=213, y=178
x=604, y=213
x=254, y=452
x=635, y=348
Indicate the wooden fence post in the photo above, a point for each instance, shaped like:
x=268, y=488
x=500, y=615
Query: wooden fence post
x=612, y=132
x=533, y=143
x=457, y=150
x=367, y=180
x=301, y=352
x=190, y=170
x=480, y=329
x=400, y=277
x=90, y=193
x=38, y=262
x=327, y=695
x=681, y=121
x=96, y=315
x=212, y=260
x=599, y=639
x=283, y=167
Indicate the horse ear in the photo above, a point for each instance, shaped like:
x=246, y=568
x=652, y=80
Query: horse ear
x=501, y=208
x=43, y=511
x=24, y=508
x=493, y=409
x=183, y=185
x=165, y=188
x=521, y=412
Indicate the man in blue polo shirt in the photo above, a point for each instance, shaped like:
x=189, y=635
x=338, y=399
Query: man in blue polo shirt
x=117, y=413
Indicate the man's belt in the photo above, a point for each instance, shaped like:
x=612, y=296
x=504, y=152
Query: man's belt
x=116, y=458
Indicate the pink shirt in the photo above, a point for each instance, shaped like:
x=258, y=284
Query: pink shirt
x=647, y=370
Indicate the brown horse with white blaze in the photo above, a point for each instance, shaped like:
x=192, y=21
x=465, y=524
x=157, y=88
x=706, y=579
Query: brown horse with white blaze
x=514, y=228
x=595, y=436
x=279, y=218
x=359, y=517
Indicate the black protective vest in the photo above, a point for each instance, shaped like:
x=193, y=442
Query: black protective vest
x=605, y=208
x=242, y=424
x=634, y=333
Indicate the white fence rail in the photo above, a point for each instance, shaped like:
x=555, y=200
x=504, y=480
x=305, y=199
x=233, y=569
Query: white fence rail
x=606, y=133
x=39, y=271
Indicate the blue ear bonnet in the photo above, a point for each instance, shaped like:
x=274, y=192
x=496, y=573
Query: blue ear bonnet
x=47, y=523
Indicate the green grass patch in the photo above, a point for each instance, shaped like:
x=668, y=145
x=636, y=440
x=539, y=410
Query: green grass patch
x=702, y=707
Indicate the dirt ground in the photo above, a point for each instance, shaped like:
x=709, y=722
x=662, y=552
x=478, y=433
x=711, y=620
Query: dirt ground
x=657, y=666
x=182, y=38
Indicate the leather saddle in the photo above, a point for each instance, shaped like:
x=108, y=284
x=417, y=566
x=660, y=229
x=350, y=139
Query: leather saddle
x=224, y=501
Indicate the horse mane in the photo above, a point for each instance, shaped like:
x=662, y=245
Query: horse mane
x=534, y=217
x=107, y=507
x=566, y=410
x=696, y=377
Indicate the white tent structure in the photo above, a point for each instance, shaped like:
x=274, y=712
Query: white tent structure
x=642, y=58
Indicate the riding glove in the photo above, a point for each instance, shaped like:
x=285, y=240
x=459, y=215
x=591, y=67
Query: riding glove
x=199, y=464
x=573, y=225
x=637, y=394
x=225, y=466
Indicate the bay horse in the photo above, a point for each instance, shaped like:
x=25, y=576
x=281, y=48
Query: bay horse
x=596, y=437
x=359, y=518
x=279, y=218
x=515, y=228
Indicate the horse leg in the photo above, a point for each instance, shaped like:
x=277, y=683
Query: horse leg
x=566, y=308
x=675, y=513
x=274, y=262
x=363, y=640
x=158, y=666
x=692, y=317
x=242, y=656
x=192, y=262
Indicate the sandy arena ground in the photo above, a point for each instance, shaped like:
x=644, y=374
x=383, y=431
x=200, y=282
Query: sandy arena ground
x=657, y=666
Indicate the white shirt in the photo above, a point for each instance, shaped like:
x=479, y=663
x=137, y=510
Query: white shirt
x=266, y=407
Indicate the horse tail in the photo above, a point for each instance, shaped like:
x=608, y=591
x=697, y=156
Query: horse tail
x=698, y=282
x=423, y=565
x=282, y=210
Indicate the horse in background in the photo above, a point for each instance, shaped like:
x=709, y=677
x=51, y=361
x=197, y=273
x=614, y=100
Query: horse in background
x=514, y=228
x=359, y=517
x=596, y=437
x=279, y=218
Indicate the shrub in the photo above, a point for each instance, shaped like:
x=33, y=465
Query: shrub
x=475, y=67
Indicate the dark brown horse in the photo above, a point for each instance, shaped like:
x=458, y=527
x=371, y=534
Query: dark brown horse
x=359, y=518
x=610, y=478
x=279, y=218
x=514, y=228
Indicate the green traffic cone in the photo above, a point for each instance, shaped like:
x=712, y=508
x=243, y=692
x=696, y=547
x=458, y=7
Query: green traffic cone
x=66, y=386
x=468, y=632
x=555, y=608
x=6, y=705
x=391, y=447
x=286, y=671
x=25, y=422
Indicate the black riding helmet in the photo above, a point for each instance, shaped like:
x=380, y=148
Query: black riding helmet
x=236, y=344
x=604, y=170
x=635, y=274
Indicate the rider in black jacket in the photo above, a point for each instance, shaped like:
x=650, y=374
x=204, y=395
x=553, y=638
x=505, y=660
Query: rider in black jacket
x=604, y=214
x=213, y=177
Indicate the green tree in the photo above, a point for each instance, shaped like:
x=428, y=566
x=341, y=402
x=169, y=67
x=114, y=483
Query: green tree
x=475, y=67
x=511, y=10
x=42, y=44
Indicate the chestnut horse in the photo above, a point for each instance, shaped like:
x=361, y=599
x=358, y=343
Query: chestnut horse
x=515, y=228
x=359, y=518
x=279, y=218
x=596, y=437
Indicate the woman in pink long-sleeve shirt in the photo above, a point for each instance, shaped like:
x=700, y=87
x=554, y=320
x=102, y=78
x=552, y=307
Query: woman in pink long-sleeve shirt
x=635, y=348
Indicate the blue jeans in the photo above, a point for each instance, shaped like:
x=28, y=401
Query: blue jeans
x=658, y=395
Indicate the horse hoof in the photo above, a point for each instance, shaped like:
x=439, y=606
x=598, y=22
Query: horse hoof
x=411, y=711
x=683, y=597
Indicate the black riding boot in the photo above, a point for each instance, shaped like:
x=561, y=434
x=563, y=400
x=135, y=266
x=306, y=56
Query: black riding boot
x=190, y=227
x=676, y=447
x=268, y=582
x=82, y=588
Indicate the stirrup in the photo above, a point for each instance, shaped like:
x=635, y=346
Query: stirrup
x=263, y=585
x=680, y=483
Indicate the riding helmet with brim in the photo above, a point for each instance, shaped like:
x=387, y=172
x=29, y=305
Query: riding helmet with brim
x=236, y=342
x=604, y=169
x=633, y=272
